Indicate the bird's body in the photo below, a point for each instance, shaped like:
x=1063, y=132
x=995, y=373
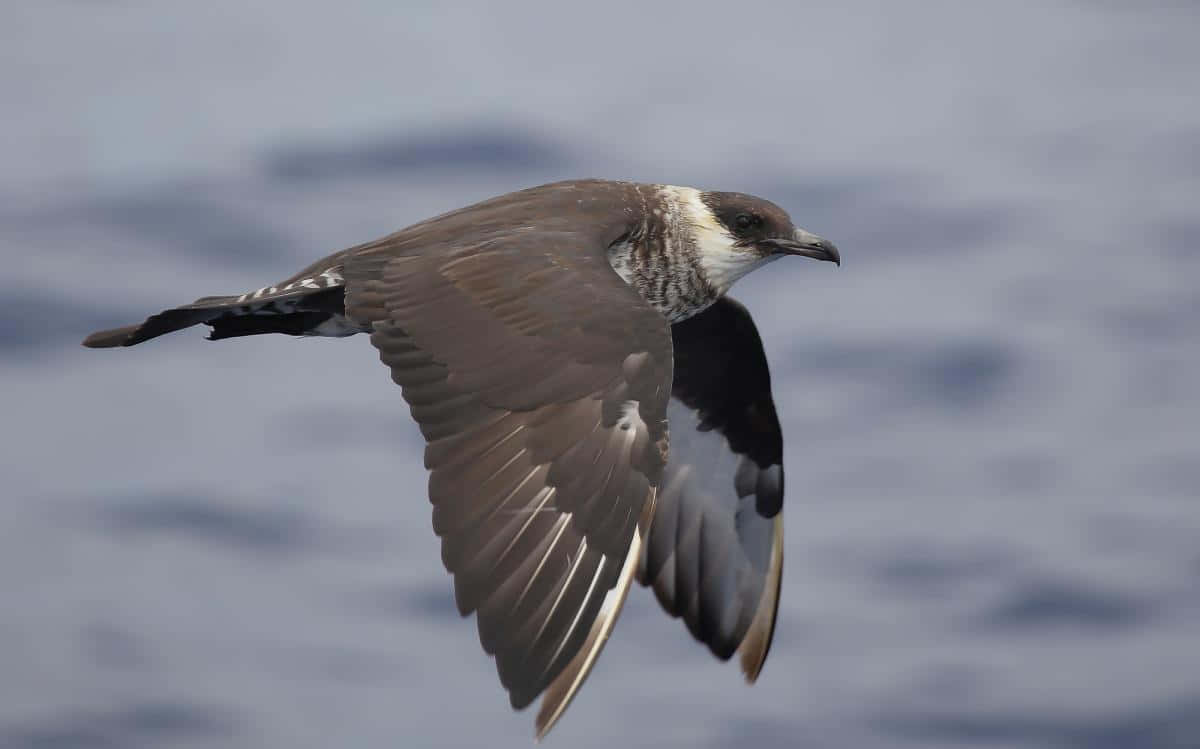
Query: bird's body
x=542, y=340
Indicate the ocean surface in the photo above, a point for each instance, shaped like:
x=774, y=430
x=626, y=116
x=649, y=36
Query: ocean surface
x=990, y=411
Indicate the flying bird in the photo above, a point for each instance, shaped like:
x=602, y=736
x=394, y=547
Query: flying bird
x=544, y=341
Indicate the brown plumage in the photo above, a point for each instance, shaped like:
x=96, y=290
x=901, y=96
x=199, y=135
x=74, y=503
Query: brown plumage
x=541, y=380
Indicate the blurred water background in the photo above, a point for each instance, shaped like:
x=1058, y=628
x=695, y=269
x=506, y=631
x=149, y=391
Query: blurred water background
x=990, y=411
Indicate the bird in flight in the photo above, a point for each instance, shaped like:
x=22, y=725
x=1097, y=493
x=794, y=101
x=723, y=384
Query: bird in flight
x=544, y=341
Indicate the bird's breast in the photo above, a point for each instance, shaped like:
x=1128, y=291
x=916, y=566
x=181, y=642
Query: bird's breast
x=664, y=273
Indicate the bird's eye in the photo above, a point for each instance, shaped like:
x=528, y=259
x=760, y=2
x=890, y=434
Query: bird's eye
x=743, y=221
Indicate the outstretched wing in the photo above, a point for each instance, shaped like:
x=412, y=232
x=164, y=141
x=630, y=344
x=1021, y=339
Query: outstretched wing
x=714, y=555
x=540, y=381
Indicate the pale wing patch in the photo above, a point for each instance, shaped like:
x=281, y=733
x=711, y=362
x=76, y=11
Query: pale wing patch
x=711, y=557
x=563, y=689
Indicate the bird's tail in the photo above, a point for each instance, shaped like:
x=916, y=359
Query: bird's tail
x=294, y=310
x=111, y=338
x=167, y=321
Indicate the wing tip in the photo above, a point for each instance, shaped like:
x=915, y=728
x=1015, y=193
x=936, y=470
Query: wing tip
x=757, y=643
x=562, y=690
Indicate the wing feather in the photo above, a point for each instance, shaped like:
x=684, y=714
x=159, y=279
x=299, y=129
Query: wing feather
x=540, y=382
x=714, y=555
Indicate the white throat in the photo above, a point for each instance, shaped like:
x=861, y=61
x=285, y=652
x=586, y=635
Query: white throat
x=721, y=261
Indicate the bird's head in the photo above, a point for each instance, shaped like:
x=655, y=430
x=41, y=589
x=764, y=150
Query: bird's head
x=734, y=233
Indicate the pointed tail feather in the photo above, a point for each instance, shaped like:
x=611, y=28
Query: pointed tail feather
x=164, y=322
x=110, y=338
x=291, y=310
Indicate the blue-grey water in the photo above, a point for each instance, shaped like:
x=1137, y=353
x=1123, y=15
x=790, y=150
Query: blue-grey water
x=990, y=410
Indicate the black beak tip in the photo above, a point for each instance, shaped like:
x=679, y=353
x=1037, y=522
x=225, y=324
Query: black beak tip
x=832, y=251
x=808, y=245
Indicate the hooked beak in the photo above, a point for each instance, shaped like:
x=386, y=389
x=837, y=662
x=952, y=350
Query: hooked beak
x=807, y=244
